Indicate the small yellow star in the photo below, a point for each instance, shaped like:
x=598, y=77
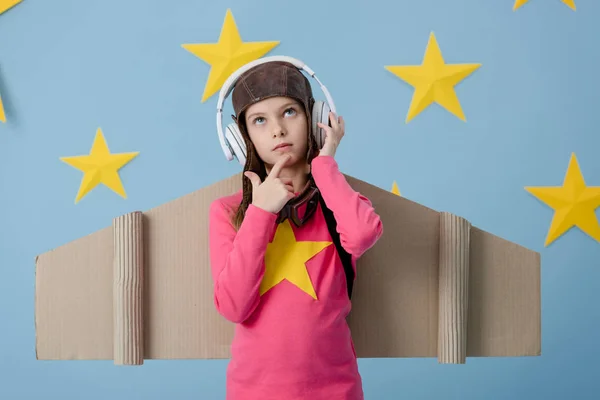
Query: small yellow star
x=433, y=81
x=285, y=259
x=520, y=3
x=100, y=166
x=574, y=204
x=395, y=189
x=7, y=4
x=227, y=55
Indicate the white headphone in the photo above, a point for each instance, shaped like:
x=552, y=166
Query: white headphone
x=232, y=141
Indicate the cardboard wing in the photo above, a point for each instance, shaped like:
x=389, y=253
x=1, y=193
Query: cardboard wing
x=433, y=286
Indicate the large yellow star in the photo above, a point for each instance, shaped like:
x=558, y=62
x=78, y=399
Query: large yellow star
x=520, y=3
x=227, y=55
x=100, y=166
x=434, y=81
x=7, y=4
x=285, y=259
x=574, y=204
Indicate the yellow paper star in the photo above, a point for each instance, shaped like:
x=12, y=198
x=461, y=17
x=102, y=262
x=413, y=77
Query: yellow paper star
x=2, y=115
x=395, y=189
x=520, y=3
x=574, y=204
x=285, y=259
x=100, y=166
x=227, y=55
x=7, y=4
x=433, y=81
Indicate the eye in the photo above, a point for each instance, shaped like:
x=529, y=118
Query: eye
x=291, y=111
x=258, y=120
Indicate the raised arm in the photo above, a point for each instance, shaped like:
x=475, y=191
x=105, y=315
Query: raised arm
x=358, y=224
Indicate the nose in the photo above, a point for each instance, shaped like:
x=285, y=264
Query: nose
x=278, y=129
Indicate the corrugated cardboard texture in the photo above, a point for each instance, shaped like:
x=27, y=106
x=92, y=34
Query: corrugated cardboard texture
x=396, y=298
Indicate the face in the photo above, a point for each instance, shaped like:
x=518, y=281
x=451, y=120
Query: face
x=278, y=126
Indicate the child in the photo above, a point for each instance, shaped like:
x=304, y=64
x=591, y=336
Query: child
x=277, y=277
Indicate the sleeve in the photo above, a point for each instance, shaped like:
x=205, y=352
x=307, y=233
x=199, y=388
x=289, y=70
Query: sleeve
x=358, y=224
x=237, y=259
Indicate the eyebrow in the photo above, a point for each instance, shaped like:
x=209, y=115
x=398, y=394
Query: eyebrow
x=288, y=105
x=283, y=107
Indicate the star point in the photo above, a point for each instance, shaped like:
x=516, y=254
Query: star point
x=227, y=55
x=100, y=166
x=395, y=189
x=433, y=81
x=286, y=259
x=2, y=114
x=5, y=5
x=574, y=204
x=520, y=3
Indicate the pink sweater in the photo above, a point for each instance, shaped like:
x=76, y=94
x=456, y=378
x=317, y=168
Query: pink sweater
x=291, y=340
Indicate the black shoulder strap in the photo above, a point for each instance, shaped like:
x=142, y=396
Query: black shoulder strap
x=335, y=236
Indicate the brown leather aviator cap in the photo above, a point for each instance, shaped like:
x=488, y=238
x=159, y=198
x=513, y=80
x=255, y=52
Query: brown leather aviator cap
x=275, y=78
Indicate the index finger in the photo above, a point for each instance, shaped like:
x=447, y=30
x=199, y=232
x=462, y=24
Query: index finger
x=278, y=166
x=333, y=119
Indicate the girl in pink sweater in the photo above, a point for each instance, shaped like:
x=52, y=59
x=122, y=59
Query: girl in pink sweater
x=276, y=270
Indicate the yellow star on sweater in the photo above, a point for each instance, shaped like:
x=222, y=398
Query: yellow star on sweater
x=100, y=166
x=520, y=3
x=227, y=55
x=434, y=81
x=286, y=259
x=574, y=204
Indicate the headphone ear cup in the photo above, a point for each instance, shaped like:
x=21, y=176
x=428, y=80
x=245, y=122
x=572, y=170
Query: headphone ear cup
x=320, y=113
x=234, y=139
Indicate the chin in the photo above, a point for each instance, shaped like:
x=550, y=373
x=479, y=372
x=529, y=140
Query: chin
x=295, y=157
x=275, y=156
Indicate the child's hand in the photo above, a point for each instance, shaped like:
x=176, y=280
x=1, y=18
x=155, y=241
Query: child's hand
x=334, y=133
x=272, y=194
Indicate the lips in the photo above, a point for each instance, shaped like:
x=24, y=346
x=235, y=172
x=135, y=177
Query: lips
x=281, y=145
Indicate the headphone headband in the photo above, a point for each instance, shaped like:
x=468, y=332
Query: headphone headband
x=229, y=84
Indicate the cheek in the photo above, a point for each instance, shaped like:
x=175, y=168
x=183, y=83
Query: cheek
x=261, y=143
x=263, y=152
x=303, y=145
x=301, y=136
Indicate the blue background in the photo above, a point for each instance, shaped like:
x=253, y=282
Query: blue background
x=69, y=67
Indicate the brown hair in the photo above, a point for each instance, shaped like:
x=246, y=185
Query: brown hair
x=256, y=165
